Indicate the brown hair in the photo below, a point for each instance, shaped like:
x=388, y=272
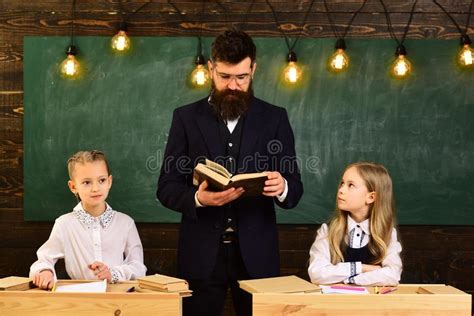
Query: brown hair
x=232, y=47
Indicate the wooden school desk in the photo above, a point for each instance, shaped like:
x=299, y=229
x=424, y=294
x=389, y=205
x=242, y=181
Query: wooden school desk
x=116, y=301
x=437, y=300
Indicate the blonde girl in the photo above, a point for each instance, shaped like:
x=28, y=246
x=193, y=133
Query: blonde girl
x=95, y=241
x=360, y=244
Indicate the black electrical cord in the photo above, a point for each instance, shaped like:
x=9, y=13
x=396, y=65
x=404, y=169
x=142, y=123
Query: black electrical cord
x=244, y=23
x=389, y=23
x=464, y=37
x=290, y=47
x=137, y=10
x=73, y=17
x=333, y=25
x=199, y=57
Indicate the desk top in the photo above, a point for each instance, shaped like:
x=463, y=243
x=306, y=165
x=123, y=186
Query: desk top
x=116, y=300
x=408, y=299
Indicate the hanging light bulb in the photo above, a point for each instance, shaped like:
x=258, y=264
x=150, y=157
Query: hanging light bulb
x=121, y=42
x=465, y=55
x=292, y=73
x=70, y=66
x=401, y=67
x=200, y=75
x=339, y=61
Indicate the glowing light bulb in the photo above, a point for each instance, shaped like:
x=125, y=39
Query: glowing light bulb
x=120, y=42
x=292, y=72
x=339, y=61
x=465, y=56
x=70, y=66
x=200, y=76
x=401, y=67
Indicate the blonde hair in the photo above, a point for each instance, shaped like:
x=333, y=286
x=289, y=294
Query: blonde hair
x=85, y=156
x=381, y=214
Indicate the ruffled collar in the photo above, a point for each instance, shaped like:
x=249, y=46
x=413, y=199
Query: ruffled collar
x=87, y=219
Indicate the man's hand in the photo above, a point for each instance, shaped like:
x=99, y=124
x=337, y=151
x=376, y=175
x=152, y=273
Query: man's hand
x=44, y=279
x=209, y=198
x=275, y=185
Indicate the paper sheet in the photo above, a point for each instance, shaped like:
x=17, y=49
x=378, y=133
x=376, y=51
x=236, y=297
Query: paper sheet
x=89, y=287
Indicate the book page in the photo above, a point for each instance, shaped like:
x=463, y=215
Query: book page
x=218, y=168
x=209, y=174
x=88, y=287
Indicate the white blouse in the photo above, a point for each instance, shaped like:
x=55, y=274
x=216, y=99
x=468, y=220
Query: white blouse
x=322, y=271
x=81, y=239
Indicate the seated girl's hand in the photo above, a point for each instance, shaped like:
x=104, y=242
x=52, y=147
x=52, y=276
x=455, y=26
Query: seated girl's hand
x=44, y=279
x=370, y=267
x=101, y=271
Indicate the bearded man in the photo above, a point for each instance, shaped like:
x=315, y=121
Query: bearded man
x=224, y=236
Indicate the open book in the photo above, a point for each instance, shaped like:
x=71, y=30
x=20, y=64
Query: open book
x=220, y=179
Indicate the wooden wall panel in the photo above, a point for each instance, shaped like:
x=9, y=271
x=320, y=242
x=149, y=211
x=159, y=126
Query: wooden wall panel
x=160, y=18
x=432, y=254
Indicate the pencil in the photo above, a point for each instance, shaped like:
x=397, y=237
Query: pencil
x=388, y=290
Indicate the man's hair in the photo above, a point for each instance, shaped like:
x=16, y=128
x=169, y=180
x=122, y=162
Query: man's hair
x=232, y=47
x=85, y=156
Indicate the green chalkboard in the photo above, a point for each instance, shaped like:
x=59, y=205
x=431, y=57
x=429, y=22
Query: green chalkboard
x=421, y=129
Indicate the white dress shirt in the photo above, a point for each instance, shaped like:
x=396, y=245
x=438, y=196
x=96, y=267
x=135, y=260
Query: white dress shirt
x=322, y=271
x=81, y=239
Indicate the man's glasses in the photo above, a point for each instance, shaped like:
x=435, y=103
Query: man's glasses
x=239, y=79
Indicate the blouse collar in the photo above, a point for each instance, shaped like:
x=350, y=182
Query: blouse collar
x=351, y=224
x=87, y=219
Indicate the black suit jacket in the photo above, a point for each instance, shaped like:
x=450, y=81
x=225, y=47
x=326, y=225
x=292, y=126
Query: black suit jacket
x=267, y=145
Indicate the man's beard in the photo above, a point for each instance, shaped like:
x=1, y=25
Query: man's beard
x=230, y=104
